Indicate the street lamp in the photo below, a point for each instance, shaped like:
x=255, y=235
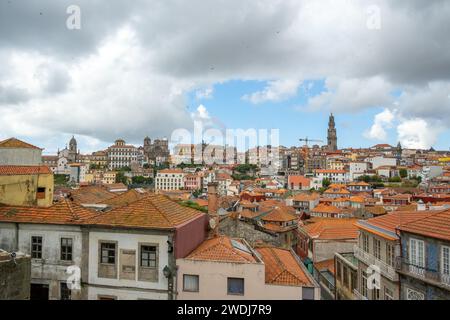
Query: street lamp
x=168, y=273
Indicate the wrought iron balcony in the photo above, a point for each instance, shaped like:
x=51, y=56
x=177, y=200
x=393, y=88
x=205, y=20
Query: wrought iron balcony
x=432, y=276
x=386, y=270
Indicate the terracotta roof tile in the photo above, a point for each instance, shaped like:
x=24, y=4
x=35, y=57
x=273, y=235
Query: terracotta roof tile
x=435, y=225
x=91, y=195
x=222, y=249
x=63, y=212
x=16, y=143
x=153, y=211
x=279, y=214
x=282, y=268
x=24, y=170
x=331, y=228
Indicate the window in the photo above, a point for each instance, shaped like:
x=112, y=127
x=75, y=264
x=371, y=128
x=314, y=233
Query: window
x=365, y=239
x=190, y=283
x=65, y=292
x=40, y=193
x=416, y=253
x=36, y=247
x=390, y=257
x=108, y=253
x=377, y=248
x=346, y=278
x=445, y=260
x=66, y=249
x=148, y=256
x=364, y=283
x=388, y=294
x=376, y=294
x=236, y=286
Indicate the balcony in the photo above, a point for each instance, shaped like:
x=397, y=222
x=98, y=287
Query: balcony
x=433, y=277
x=358, y=295
x=386, y=270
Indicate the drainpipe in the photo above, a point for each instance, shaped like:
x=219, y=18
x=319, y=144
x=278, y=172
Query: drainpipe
x=16, y=237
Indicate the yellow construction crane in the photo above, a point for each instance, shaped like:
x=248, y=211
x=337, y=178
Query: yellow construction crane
x=306, y=150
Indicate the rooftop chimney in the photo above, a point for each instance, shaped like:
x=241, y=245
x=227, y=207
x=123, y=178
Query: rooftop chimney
x=213, y=205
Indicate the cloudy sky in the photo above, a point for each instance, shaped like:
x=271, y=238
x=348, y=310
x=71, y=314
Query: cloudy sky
x=138, y=68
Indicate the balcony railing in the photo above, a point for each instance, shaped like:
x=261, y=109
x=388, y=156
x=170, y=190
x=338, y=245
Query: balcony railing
x=421, y=272
x=358, y=295
x=386, y=270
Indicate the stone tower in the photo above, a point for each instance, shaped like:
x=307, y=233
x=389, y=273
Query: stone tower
x=73, y=151
x=332, y=136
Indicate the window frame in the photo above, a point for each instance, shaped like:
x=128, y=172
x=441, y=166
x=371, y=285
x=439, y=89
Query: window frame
x=234, y=293
x=155, y=252
x=445, y=265
x=65, y=289
x=65, y=252
x=41, y=245
x=102, y=243
x=184, y=282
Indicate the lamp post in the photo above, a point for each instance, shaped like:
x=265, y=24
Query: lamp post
x=168, y=273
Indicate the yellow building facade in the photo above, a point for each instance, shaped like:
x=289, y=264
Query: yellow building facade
x=26, y=186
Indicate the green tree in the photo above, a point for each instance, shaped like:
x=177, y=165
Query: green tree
x=120, y=178
x=403, y=173
x=326, y=183
x=395, y=179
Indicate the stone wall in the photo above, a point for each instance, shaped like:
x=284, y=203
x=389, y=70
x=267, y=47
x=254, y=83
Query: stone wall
x=14, y=277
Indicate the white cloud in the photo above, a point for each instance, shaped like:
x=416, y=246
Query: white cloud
x=351, y=94
x=417, y=134
x=382, y=121
x=277, y=90
x=206, y=93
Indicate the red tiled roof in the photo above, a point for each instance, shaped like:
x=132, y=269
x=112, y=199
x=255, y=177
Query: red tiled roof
x=154, y=211
x=435, y=225
x=393, y=220
x=325, y=265
x=16, y=143
x=331, y=228
x=24, y=170
x=282, y=268
x=221, y=249
x=91, y=195
x=63, y=212
x=324, y=208
x=278, y=214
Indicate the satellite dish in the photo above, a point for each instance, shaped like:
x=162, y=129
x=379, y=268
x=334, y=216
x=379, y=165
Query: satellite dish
x=212, y=223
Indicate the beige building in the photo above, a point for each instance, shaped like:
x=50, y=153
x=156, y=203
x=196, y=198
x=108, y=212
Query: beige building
x=15, y=152
x=223, y=268
x=170, y=179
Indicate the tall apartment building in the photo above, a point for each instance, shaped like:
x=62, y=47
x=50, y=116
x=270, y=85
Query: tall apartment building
x=169, y=179
x=122, y=155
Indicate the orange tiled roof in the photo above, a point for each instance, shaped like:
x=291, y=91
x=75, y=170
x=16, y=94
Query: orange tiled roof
x=91, y=195
x=393, y=220
x=325, y=265
x=435, y=225
x=248, y=214
x=124, y=199
x=221, y=249
x=337, y=191
x=282, y=268
x=24, y=170
x=279, y=214
x=63, y=212
x=324, y=208
x=306, y=197
x=16, y=143
x=331, y=228
x=154, y=211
